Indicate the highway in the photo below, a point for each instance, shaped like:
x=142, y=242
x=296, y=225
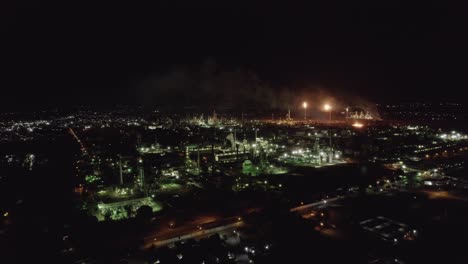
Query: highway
x=195, y=227
x=185, y=233
x=207, y=225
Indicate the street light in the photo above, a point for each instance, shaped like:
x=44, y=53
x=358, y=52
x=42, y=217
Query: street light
x=304, y=105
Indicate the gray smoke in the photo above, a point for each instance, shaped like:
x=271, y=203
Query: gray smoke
x=206, y=85
x=184, y=86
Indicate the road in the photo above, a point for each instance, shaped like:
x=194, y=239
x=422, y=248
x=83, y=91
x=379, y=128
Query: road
x=195, y=229
x=206, y=225
x=209, y=224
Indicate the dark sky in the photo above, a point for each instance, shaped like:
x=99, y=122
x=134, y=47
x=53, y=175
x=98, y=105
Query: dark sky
x=58, y=54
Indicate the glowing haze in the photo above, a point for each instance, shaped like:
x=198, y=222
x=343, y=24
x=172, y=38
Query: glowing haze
x=209, y=86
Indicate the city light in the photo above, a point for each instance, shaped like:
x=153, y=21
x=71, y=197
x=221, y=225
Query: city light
x=221, y=159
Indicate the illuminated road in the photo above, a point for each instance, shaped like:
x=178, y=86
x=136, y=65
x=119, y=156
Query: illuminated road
x=195, y=227
x=444, y=195
x=163, y=229
x=209, y=224
x=316, y=204
x=200, y=227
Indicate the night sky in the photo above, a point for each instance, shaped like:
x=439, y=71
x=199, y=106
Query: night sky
x=61, y=55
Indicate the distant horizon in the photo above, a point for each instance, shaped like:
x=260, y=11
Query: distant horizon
x=183, y=53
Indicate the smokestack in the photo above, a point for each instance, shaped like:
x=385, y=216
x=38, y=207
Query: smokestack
x=120, y=171
x=212, y=149
x=198, y=158
x=142, y=176
x=331, y=148
x=235, y=136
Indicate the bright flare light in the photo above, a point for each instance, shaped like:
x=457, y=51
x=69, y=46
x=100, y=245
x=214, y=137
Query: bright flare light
x=327, y=107
x=358, y=125
x=304, y=104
